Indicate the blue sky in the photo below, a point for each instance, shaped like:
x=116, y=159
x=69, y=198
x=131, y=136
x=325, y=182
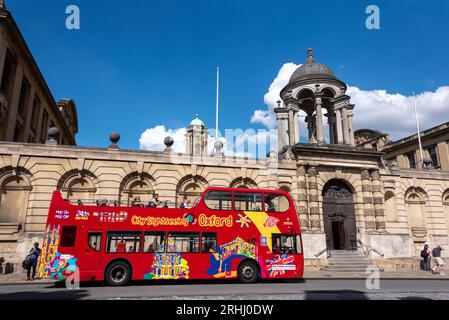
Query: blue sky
x=137, y=64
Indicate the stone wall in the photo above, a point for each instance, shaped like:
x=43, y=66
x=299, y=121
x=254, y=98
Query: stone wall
x=112, y=173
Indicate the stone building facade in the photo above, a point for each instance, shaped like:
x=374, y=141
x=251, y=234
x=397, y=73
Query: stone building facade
x=353, y=190
x=27, y=107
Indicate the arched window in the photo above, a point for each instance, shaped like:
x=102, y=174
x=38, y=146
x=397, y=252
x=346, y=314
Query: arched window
x=243, y=183
x=446, y=208
x=14, y=193
x=189, y=189
x=390, y=207
x=415, y=200
x=76, y=187
x=135, y=187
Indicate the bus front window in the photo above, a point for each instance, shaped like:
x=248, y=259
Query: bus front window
x=276, y=203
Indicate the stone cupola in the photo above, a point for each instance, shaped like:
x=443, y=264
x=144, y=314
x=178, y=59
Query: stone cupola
x=314, y=89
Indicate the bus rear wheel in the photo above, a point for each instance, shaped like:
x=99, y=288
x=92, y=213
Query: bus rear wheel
x=118, y=274
x=248, y=272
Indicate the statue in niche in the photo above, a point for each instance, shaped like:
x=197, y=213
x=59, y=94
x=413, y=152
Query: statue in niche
x=311, y=126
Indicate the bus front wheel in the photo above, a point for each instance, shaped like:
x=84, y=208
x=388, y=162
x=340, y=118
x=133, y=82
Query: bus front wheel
x=248, y=272
x=118, y=274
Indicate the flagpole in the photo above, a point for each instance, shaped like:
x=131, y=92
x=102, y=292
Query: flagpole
x=419, y=132
x=217, y=103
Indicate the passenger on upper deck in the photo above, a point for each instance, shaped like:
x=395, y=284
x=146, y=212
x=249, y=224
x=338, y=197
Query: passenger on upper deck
x=155, y=201
x=136, y=202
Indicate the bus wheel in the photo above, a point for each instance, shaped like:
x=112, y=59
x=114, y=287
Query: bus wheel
x=248, y=272
x=118, y=274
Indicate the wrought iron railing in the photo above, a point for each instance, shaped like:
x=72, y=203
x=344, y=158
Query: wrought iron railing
x=367, y=249
x=328, y=255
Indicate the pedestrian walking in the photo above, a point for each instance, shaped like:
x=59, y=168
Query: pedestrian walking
x=427, y=256
x=32, y=259
x=437, y=261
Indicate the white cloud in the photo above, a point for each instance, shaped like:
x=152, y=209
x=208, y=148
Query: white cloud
x=153, y=139
x=374, y=109
x=236, y=142
x=394, y=113
x=267, y=117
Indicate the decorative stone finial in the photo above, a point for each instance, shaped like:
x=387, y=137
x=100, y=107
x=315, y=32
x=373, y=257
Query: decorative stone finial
x=218, y=145
x=53, y=134
x=310, y=58
x=114, y=137
x=168, y=141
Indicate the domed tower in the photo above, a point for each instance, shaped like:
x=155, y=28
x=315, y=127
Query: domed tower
x=314, y=89
x=197, y=138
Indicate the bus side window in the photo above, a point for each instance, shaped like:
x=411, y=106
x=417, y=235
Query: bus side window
x=68, y=236
x=154, y=242
x=94, y=240
x=183, y=242
x=123, y=242
x=246, y=201
x=208, y=241
x=283, y=243
x=276, y=203
x=218, y=200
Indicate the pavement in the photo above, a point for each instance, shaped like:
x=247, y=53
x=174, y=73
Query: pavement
x=20, y=277
x=307, y=289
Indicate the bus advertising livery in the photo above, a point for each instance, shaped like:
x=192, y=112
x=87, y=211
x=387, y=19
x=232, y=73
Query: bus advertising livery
x=227, y=233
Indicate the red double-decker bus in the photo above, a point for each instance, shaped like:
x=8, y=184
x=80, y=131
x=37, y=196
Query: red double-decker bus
x=228, y=233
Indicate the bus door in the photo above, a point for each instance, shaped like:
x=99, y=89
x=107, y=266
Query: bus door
x=91, y=244
x=285, y=257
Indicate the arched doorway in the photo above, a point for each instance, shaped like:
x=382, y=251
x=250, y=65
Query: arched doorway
x=339, y=216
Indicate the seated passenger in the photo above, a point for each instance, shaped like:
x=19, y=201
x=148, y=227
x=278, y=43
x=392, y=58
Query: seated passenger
x=120, y=247
x=155, y=201
x=136, y=202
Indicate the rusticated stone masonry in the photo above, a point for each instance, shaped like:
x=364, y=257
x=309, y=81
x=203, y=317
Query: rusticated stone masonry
x=302, y=198
x=368, y=209
x=378, y=201
x=314, y=206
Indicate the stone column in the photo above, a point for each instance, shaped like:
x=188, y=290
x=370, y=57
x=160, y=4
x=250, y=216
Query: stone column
x=339, y=126
x=29, y=112
x=314, y=206
x=351, y=129
x=280, y=143
x=297, y=133
x=14, y=104
x=302, y=198
x=2, y=57
x=367, y=192
x=331, y=122
x=319, y=119
x=345, y=118
x=291, y=126
x=285, y=132
x=378, y=200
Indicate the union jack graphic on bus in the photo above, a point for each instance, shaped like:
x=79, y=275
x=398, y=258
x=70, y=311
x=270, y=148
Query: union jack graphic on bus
x=280, y=263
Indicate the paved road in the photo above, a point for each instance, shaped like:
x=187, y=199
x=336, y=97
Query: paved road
x=304, y=290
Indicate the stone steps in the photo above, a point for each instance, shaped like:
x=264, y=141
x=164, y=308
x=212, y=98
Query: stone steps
x=347, y=261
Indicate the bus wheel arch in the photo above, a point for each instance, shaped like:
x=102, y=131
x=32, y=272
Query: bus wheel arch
x=248, y=271
x=118, y=272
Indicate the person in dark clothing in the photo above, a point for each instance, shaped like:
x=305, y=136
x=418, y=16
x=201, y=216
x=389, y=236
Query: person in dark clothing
x=426, y=255
x=32, y=258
